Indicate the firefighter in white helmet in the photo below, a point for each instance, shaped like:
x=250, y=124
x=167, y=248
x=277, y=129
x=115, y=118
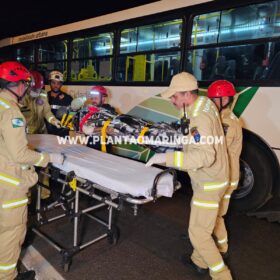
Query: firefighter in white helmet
x=59, y=102
x=17, y=173
x=207, y=164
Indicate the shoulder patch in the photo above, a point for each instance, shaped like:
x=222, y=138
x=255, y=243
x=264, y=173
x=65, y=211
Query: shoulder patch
x=195, y=134
x=39, y=101
x=17, y=122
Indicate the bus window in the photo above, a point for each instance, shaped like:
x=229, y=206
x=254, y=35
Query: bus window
x=244, y=23
x=148, y=67
x=254, y=61
x=25, y=55
x=52, y=51
x=205, y=29
x=92, y=58
x=141, y=57
x=158, y=36
x=250, y=22
x=6, y=54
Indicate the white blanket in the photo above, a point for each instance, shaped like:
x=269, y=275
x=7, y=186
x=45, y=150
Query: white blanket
x=116, y=173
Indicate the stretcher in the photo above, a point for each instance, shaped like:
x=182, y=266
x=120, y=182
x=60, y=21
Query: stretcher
x=109, y=180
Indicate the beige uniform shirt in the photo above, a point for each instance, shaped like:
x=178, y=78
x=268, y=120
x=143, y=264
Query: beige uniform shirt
x=233, y=133
x=39, y=110
x=205, y=160
x=16, y=159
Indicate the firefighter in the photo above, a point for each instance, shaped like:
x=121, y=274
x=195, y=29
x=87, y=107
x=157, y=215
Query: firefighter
x=222, y=92
x=36, y=101
x=59, y=102
x=98, y=96
x=17, y=173
x=204, y=157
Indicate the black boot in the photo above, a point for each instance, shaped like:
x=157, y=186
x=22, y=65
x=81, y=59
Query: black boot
x=187, y=261
x=27, y=275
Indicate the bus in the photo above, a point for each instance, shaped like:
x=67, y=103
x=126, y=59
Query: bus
x=135, y=53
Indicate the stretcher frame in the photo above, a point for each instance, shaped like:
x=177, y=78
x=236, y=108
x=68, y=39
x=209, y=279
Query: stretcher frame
x=71, y=208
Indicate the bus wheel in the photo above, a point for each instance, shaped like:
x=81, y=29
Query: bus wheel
x=256, y=178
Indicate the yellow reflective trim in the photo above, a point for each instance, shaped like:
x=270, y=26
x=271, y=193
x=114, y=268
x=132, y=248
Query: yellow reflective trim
x=206, y=204
x=227, y=196
x=9, y=180
x=14, y=203
x=50, y=119
x=214, y=186
x=217, y=267
x=178, y=159
x=103, y=136
x=234, y=183
x=197, y=106
x=43, y=94
x=141, y=134
x=4, y=104
x=5, y=267
x=40, y=160
x=221, y=241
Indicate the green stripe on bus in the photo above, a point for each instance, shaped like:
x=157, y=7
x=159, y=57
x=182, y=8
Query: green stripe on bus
x=243, y=100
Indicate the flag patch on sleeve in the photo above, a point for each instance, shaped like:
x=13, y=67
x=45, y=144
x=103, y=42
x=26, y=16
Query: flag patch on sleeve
x=17, y=122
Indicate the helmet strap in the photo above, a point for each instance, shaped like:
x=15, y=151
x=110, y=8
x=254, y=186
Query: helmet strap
x=19, y=98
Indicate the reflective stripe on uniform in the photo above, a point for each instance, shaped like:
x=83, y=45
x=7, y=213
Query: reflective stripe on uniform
x=178, y=159
x=50, y=119
x=233, y=183
x=5, y=267
x=4, y=104
x=214, y=186
x=217, y=267
x=197, y=106
x=14, y=203
x=206, y=204
x=9, y=180
x=40, y=160
x=55, y=106
x=222, y=241
x=227, y=196
x=43, y=94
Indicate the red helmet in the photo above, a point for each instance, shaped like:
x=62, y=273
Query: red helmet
x=99, y=89
x=221, y=88
x=13, y=71
x=38, y=80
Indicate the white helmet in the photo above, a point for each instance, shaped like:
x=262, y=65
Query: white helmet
x=56, y=75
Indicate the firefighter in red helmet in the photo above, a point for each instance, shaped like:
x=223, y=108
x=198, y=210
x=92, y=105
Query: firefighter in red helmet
x=17, y=173
x=37, y=102
x=222, y=93
x=98, y=96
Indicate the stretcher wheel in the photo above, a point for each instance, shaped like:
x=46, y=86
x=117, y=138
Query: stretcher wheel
x=113, y=235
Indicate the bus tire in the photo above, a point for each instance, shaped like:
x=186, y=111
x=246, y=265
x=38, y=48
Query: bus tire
x=256, y=177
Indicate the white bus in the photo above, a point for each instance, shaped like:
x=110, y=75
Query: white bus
x=135, y=52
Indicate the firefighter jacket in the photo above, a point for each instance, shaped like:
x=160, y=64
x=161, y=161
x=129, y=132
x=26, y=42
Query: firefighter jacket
x=233, y=133
x=204, y=154
x=40, y=111
x=17, y=173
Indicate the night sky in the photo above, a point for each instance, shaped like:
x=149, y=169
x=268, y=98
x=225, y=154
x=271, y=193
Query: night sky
x=30, y=16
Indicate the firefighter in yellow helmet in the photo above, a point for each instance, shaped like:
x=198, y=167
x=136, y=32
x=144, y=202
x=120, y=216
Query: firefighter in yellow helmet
x=222, y=93
x=17, y=173
x=37, y=102
x=204, y=157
